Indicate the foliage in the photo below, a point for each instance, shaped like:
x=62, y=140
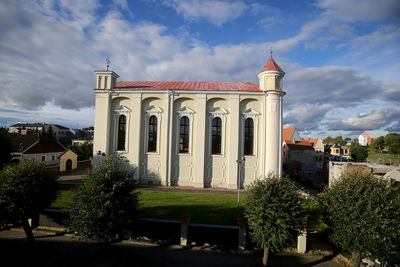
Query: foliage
x=359, y=153
x=25, y=189
x=274, y=211
x=392, y=142
x=105, y=205
x=363, y=213
x=84, y=151
x=6, y=149
x=336, y=140
x=378, y=144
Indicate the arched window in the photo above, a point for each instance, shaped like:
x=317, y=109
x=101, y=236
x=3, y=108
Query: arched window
x=184, y=135
x=216, y=135
x=248, y=136
x=152, y=134
x=121, y=132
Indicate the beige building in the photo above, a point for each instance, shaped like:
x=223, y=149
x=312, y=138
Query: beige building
x=68, y=160
x=192, y=133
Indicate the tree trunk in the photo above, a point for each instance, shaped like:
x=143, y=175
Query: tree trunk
x=28, y=230
x=265, y=258
x=355, y=259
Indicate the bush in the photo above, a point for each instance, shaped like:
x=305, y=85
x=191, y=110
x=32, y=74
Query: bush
x=275, y=214
x=364, y=216
x=359, y=153
x=25, y=189
x=105, y=205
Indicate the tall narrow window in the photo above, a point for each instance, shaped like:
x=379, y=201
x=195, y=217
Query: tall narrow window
x=184, y=135
x=248, y=136
x=216, y=136
x=121, y=132
x=152, y=134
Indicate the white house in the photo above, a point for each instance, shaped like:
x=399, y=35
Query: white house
x=192, y=133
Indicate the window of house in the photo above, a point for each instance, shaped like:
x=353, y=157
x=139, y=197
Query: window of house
x=248, y=136
x=53, y=157
x=43, y=158
x=152, y=134
x=121, y=132
x=216, y=135
x=184, y=135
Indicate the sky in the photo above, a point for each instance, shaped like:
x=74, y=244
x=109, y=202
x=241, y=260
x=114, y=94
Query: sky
x=341, y=57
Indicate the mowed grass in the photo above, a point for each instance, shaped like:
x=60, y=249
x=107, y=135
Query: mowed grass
x=202, y=208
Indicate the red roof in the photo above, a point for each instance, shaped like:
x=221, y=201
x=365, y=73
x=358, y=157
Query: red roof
x=195, y=86
x=271, y=65
x=287, y=133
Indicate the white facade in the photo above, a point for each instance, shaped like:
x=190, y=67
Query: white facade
x=200, y=133
x=363, y=140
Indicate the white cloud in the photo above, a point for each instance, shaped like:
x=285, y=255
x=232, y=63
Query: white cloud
x=216, y=12
x=360, y=9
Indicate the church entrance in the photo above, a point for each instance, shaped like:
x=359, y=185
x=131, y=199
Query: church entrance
x=68, y=165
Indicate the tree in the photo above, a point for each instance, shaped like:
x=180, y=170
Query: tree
x=392, y=142
x=378, y=144
x=6, y=148
x=25, y=189
x=274, y=212
x=363, y=214
x=84, y=151
x=359, y=153
x=104, y=206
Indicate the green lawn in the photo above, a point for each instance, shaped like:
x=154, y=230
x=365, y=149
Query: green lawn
x=385, y=158
x=202, y=208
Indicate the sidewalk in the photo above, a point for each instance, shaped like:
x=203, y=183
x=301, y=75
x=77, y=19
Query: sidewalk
x=58, y=249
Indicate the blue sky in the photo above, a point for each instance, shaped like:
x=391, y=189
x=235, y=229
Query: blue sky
x=341, y=57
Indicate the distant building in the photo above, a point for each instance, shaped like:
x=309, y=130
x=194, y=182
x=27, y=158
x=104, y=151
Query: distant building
x=39, y=148
x=26, y=128
x=299, y=157
x=339, y=152
x=290, y=134
x=364, y=139
x=319, y=151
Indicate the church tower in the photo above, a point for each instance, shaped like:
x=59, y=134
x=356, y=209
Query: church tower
x=270, y=80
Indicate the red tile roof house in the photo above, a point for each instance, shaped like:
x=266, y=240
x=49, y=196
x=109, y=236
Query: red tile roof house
x=299, y=157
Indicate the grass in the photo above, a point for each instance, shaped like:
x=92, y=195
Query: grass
x=202, y=208
x=385, y=158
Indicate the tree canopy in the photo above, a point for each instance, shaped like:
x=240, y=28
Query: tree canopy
x=6, y=148
x=25, y=189
x=104, y=206
x=274, y=212
x=336, y=140
x=84, y=151
x=363, y=214
x=359, y=153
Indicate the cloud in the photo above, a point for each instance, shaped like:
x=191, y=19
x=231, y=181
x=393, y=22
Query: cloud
x=214, y=11
x=354, y=10
x=374, y=118
x=340, y=86
x=306, y=117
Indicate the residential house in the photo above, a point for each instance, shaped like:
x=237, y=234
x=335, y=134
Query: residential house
x=364, y=139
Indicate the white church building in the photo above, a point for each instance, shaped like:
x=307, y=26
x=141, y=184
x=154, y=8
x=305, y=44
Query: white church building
x=192, y=133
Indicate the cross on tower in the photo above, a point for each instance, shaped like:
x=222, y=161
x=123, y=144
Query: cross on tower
x=108, y=62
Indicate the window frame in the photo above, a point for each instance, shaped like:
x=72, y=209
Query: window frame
x=119, y=133
x=121, y=110
x=248, y=137
x=152, y=129
x=220, y=113
x=157, y=112
x=254, y=115
x=180, y=113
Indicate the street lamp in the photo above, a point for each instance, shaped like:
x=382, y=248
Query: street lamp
x=239, y=162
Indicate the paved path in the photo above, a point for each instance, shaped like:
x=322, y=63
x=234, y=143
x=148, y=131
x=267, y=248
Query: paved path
x=55, y=249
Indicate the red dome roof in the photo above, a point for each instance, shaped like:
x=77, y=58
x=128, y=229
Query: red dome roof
x=271, y=65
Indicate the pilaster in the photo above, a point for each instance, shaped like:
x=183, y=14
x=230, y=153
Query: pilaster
x=136, y=129
x=233, y=146
x=200, y=141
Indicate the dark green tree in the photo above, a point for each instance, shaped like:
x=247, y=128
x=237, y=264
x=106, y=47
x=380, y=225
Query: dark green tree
x=359, y=153
x=275, y=213
x=105, y=205
x=378, y=144
x=84, y=151
x=363, y=213
x=6, y=148
x=25, y=189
